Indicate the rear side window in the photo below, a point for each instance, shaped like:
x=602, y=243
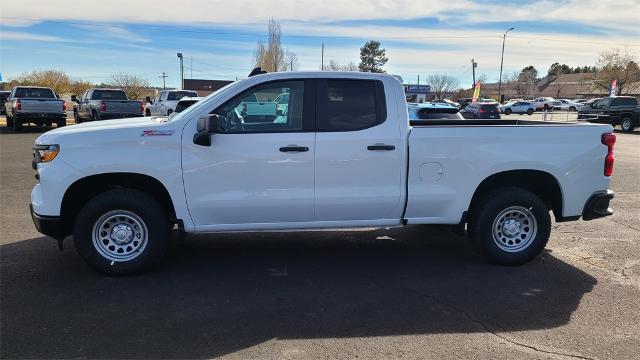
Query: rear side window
x=108, y=95
x=347, y=105
x=184, y=104
x=177, y=95
x=624, y=101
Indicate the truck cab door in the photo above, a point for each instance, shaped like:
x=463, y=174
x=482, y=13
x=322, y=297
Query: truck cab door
x=258, y=172
x=154, y=108
x=360, y=153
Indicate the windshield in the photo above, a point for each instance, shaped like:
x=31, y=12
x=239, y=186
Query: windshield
x=202, y=103
x=177, y=95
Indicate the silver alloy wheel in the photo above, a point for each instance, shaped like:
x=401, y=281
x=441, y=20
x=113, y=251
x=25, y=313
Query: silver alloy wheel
x=119, y=235
x=626, y=124
x=514, y=229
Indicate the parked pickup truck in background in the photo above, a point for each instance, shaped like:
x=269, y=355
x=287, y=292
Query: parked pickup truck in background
x=617, y=110
x=344, y=155
x=36, y=105
x=103, y=104
x=164, y=103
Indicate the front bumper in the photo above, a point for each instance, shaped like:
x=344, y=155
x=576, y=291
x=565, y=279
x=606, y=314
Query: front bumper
x=598, y=205
x=48, y=225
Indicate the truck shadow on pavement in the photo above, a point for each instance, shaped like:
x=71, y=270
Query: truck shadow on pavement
x=219, y=294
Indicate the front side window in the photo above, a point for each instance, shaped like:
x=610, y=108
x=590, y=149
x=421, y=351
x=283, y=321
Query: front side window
x=350, y=104
x=603, y=103
x=255, y=110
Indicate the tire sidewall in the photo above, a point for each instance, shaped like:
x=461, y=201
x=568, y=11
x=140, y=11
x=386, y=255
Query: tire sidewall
x=144, y=206
x=631, y=125
x=494, y=204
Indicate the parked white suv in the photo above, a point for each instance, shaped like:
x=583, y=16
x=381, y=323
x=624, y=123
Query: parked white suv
x=544, y=103
x=343, y=155
x=164, y=103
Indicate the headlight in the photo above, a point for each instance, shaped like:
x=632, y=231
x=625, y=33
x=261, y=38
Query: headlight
x=45, y=153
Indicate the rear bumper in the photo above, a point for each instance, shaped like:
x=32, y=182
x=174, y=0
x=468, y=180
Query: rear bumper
x=40, y=116
x=48, y=225
x=598, y=205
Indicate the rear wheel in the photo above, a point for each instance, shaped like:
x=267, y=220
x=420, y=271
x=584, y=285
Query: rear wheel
x=147, y=112
x=61, y=123
x=94, y=115
x=17, y=125
x=9, y=121
x=169, y=112
x=572, y=108
x=627, y=124
x=76, y=117
x=510, y=225
x=121, y=232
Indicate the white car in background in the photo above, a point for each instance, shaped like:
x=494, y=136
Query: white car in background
x=567, y=105
x=543, y=103
x=517, y=107
x=164, y=103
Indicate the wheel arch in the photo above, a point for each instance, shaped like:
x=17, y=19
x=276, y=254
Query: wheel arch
x=540, y=183
x=84, y=189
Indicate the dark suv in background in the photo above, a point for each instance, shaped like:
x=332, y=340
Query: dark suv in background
x=4, y=95
x=616, y=110
x=482, y=110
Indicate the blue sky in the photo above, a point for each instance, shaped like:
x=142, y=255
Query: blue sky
x=93, y=39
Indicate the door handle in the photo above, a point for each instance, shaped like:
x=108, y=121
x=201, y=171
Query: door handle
x=381, y=147
x=294, y=148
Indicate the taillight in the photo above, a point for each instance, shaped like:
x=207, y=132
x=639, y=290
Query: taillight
x=64, y=105
x=103, y=106
x=610, y=141
x=142, y=107
x=18, y=104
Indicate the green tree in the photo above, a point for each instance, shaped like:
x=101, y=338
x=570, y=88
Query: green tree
x=556, y=69
x=372, y=57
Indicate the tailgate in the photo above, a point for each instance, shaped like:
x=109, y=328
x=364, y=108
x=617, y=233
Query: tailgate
x=123, y=107
x=41, y=105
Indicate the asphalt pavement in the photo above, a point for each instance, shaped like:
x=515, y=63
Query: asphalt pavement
x=416, y=292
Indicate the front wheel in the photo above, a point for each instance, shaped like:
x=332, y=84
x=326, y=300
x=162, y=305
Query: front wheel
x=121, y=232
x=510, y=225
x=507, y=111
x=529, y=111
x=9, y=121
x=572, y=108
x=627, y=124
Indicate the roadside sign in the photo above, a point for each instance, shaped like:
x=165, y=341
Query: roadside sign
x=417, y=89
x=476, y=92
x=614, y=88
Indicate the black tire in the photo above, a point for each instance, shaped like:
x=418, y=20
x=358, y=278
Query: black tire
x=169, y=111
x=94, y=115
x=529, y=112
x=147, y=112
x=17, y=125
x=513, y=204
x=76, y=118
x=9, y=122
x=507, y=111
x=61, y=123
x=148, y=210
x=627, y=124
x=572, y=108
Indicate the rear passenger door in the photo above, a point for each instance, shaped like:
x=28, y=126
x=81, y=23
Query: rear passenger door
x=359, y=153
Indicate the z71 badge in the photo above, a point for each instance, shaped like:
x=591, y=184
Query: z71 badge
x=157, y=132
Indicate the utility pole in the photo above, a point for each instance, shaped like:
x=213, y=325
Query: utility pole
x=322, y=58
x=474, y=65
x=501, y=61
x=163, y=76
x=181, y=71
x=291, y=65
x=418, y=79
x=191, y=68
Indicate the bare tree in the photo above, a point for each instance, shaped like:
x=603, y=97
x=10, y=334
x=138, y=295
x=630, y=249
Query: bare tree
x=619, y=65
x=271, y=56
x=525, y=83
x=336, y=66
x=133, y=85
x=78, y=87
x=442, y=84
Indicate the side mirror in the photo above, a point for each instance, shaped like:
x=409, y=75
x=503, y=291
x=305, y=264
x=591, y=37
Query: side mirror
x=207, y=125
x=148, y=99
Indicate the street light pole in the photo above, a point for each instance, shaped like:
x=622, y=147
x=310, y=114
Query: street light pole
x=181, y=72
x=501, y=61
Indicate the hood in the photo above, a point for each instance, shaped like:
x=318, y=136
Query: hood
x=88, y=128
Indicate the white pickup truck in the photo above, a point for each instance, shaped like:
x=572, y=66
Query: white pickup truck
x=343, y=156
